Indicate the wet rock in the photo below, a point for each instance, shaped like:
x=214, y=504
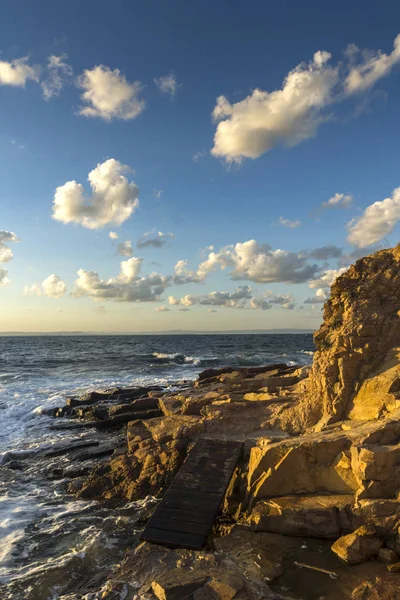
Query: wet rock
x=382, y=588
x=133, y=415
x=357, y=547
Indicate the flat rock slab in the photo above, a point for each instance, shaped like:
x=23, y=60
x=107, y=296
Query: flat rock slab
x=190, y=505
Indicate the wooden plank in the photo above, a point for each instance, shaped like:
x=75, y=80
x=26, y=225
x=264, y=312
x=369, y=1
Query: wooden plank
x=191, y=503
x=174, y=539
x=181, y=526
x=184, y=515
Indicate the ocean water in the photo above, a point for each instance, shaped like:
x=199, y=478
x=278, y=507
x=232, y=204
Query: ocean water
x=51, y=544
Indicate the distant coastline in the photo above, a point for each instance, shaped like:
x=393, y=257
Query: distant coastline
x=160, y=333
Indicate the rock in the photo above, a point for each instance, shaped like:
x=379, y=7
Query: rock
x=127, y=417
x=395, y=568
x=305, y=516
x=170, y=405
x=177, y=584
x=357, y=547
x=382, y=588
x=386, y=555
x=356, y=369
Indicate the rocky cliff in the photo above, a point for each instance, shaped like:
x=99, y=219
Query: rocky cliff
x=356, y=368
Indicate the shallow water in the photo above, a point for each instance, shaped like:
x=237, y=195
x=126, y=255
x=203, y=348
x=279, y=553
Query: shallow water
x=51, y=543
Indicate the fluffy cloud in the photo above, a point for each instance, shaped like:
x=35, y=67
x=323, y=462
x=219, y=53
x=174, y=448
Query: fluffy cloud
x=154, y=240
x=288, y=223
x=167, y=84
x=113, y=235
x=107, y=94
x=113, y=198
x=248, y=128
x=6, y=253
x=371, y=67
x=127, y=286
x=259, y=263
x=17, y=72
x=268, y=299
x=53, y=287
x=173, y=301
x=377, y=221
x=320, y=297
x=184, y=275
x=125, y=249
x=293, y=114
x=162, y=308
x=327, y=278
x=338, y=200
x=4, y=277
x=241, y=298
x=58, y=73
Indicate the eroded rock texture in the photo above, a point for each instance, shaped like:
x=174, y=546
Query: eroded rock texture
x=356, y=369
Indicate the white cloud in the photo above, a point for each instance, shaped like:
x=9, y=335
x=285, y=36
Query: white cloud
x=113, y=198
x=338, y=200
x=113, y=235
x=6, y=253
x=372, y=67
x=259, y=263
x=125, y=249
x=17, y=72
x=167, y=84
x=268, y=299
x=127, y=286
x=4, y=277
x=53, y=287
x=248, y=128
x=327, y=278
x=293, y=114
x=158, y=193
x=319, y=298
x=162, y=308
x=241, y=298
x=58, y=73
x=377, y=221
x=288, y=223
x=173, y=301
x=183, y=275
x=155, y=240
x=108, y=95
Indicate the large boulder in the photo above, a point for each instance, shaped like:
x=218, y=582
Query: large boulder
x=357, y=547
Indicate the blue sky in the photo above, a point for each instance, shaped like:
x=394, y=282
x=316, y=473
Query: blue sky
x=136, y=84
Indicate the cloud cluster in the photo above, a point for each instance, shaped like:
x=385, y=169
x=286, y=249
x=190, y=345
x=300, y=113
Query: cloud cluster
x=167, y=84
x=259, y=263
x=6, y=253
x=127, y=286
x=113, y=235
x=53, y=287
x=113, y=198
x=338, y=200
x=241, y=298
x=293, y=114
x=377, y=221
x=154, y=240
x=17, y=72
x=58, y=73
x=108, y=95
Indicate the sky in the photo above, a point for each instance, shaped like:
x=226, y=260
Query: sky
x=195, y=165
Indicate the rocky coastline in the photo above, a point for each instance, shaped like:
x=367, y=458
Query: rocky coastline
x=313, y=508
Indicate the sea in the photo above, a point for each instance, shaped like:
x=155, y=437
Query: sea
x=54, y=547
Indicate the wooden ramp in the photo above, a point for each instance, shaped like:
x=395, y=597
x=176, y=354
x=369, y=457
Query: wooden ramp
x=190, y=505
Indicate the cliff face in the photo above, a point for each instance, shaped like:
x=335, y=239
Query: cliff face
x=356, y=369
